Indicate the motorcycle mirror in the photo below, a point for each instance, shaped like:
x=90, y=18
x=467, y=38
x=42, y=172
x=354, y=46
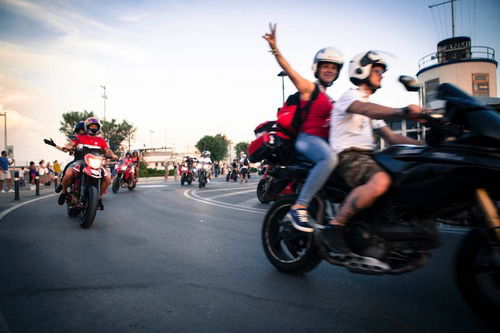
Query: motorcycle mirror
x=410, y=83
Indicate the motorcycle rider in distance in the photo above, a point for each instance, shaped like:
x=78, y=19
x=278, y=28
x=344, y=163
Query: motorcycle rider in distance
x=136, y=159
x=244, y=167
x=353, y=121
x=206, y=162
x=312, y=141
x=90, y=138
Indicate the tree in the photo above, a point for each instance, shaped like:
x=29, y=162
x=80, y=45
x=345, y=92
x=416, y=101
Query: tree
x=216, y=145
x=241, y=147
x=115, y=133
x=71, y=118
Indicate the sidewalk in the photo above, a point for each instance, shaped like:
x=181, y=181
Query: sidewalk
x=25, y=194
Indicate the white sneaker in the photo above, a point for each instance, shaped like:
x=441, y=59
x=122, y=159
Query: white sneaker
x=11, y=191
x=4, y=191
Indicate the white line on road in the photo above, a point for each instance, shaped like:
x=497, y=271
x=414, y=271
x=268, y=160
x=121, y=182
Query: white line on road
x=150, y=186
x=8, y=210
x=193, y=196
x=230, y=193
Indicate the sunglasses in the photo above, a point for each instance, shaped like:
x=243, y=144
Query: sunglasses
x=378, y=71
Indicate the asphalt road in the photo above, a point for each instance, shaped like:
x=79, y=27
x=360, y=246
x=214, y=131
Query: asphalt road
x=167, y=258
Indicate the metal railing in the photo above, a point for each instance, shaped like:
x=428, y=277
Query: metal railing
x=475, y=52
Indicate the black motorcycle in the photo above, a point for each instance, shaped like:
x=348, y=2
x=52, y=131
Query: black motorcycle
x=83, y=193
x=202, y=177
x=454, y=179
x=232, y=174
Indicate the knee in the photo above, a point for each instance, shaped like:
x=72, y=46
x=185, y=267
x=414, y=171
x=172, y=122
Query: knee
x=380, y=183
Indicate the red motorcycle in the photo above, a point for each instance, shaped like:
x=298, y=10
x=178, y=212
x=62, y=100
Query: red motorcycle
x=125, y=176
x=186, y=174
x=83, y=194
x=270, y=189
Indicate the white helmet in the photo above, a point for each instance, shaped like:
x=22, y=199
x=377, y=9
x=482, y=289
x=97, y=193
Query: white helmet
x=328, y=54
x=361, y=65
x=206, y=153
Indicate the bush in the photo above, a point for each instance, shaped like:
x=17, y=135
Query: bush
x=149, y=172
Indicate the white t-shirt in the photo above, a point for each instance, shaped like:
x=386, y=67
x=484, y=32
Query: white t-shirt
x=242, y=161
x=348, y=130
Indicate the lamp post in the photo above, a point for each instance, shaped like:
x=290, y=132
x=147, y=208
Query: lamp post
x=4, y=129
x=104, y=98
x=283, y=74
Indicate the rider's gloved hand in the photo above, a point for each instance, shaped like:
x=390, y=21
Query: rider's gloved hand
x=50, y=142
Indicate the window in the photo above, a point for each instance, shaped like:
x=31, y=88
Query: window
x=431, y=87
x=480, y=84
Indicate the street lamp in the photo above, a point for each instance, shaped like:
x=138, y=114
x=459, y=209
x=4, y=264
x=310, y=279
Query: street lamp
x=283, y=74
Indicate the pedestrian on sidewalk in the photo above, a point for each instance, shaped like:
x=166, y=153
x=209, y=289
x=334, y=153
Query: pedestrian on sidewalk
x=176, y=170
x=21, y=177
x=33, y=174
x=5, y=173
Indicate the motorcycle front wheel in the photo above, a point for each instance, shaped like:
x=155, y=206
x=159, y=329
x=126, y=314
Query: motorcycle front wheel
x=87, y=215
x=183, y=179
x=477, y=272
x=289, y=250
x=116, y=184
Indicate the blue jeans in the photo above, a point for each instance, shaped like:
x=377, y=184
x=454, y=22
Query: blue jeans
x=318, y=151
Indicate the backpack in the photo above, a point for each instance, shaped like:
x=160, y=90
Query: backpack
x=291, y=115
x=275, y=139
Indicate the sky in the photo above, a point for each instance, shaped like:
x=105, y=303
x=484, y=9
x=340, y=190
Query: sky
x=179, y=70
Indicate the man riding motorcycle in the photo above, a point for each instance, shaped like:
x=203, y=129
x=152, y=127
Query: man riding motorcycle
x=90, y=139
x=205, y=162
x=353, y=121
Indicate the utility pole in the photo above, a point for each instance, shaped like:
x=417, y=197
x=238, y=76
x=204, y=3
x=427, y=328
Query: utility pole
x=4, y=114
x=104, y=98
x=452, y=14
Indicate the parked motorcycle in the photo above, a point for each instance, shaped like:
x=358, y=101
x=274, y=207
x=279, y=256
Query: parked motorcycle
x=125, y=176
x=186, y=175
x=83, y=194
x=454, y=179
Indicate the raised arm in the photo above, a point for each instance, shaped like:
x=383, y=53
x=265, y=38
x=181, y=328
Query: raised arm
x=305, y=87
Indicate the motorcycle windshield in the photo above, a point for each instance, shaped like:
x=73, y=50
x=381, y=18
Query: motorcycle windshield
x=479, y=119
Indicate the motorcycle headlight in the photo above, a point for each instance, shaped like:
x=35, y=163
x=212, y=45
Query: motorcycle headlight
x=95, y=162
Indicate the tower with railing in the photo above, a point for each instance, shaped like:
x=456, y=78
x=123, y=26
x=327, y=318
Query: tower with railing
x=471, y=68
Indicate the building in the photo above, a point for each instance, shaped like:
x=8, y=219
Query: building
x=155, y=158
x=471, y=68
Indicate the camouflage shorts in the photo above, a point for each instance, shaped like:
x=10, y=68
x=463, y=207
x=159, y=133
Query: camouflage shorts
x=356, y=167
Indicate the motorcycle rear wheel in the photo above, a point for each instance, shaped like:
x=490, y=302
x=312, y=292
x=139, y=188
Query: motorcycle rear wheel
x=477, y=273
x=289, y=250
x=87, y=215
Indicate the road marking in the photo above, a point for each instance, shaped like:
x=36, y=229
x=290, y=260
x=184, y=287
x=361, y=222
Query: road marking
x=150, y=186
x=193, y=196
x=8, y=210
x=229, y=194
